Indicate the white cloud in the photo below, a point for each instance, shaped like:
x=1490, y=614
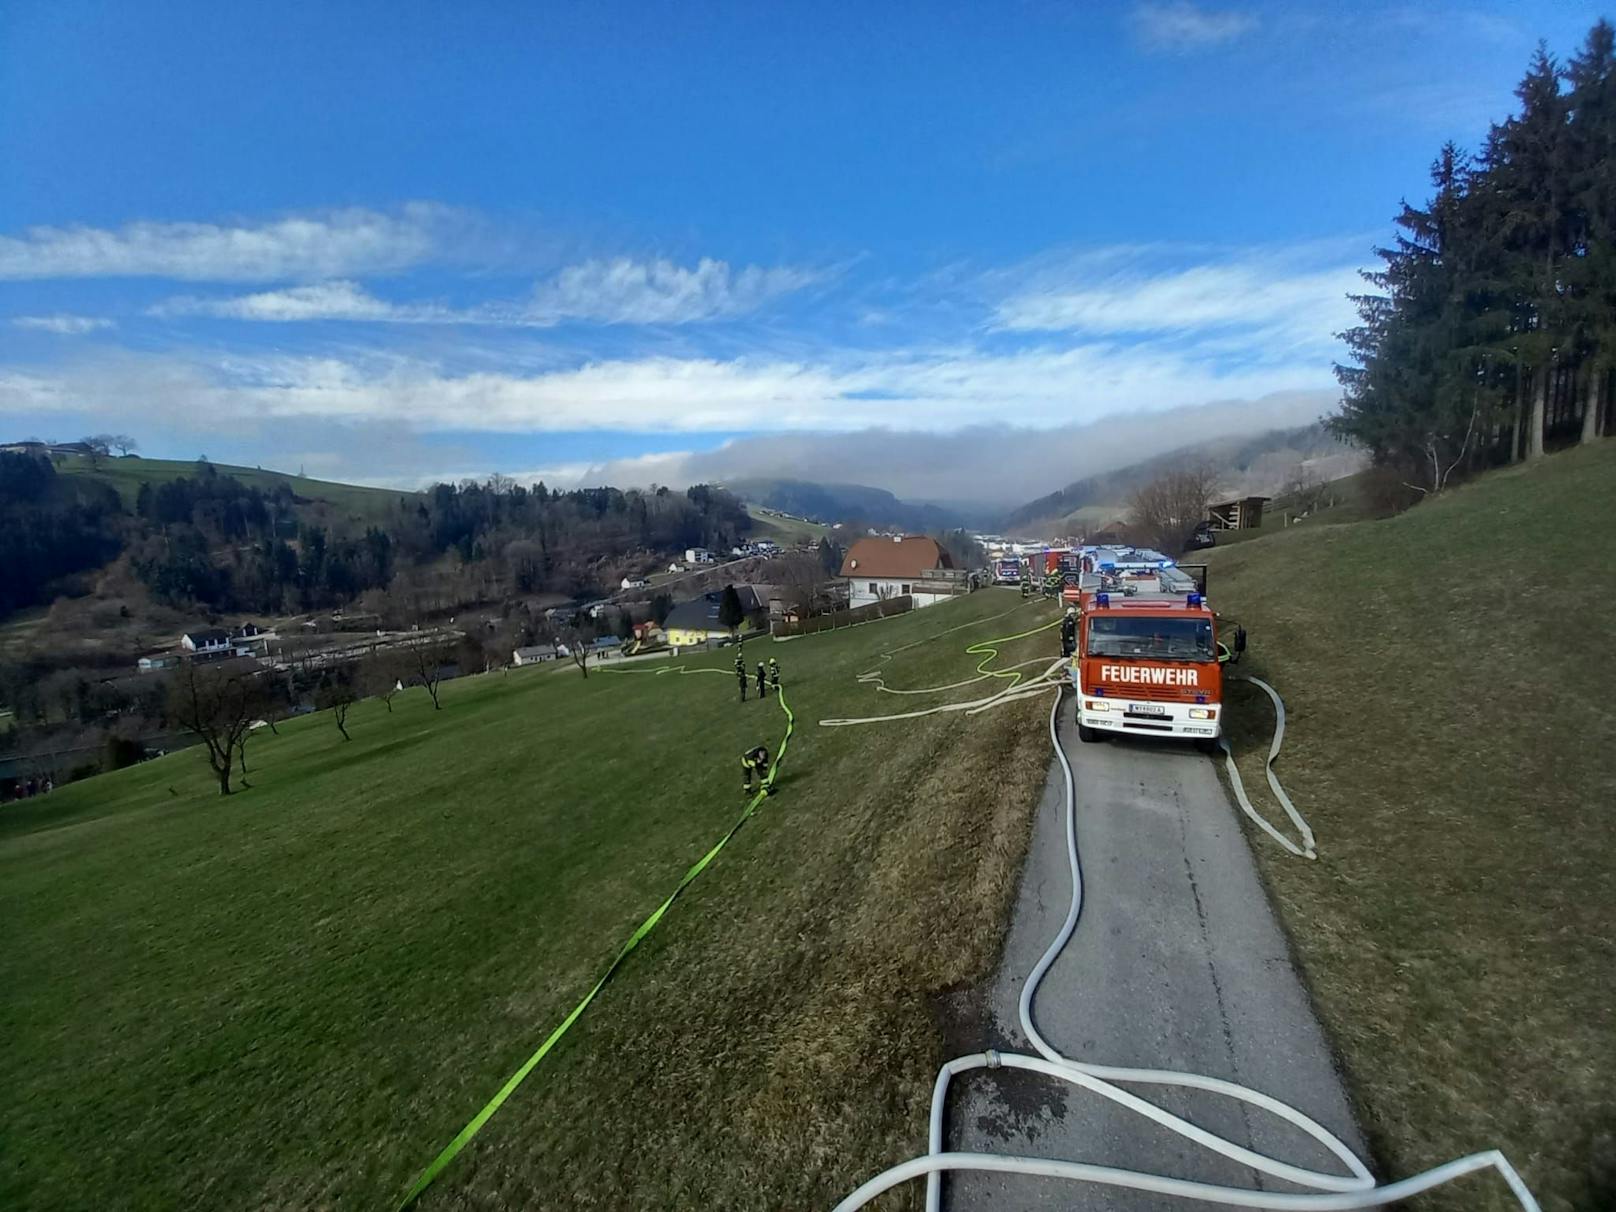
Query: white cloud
x=1251, y=302
x=1178, y=25
x=912, y=391
x=600, y=292
x=323, y=245
x=62, y=324
x=339, y=300
x=623, y=291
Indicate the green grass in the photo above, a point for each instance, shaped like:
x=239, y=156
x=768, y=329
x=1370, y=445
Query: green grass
x=785, y=531
x=1449, y=675
x=127, y=475
x=294, y=997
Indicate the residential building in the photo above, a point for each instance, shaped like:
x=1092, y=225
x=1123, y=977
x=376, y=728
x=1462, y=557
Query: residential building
x=694, y=623
x=535, y=655
x=207, y=641
x=901, y=566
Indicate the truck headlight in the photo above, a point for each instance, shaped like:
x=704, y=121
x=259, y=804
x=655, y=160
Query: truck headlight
x=1096, y=705
x=1203, y=713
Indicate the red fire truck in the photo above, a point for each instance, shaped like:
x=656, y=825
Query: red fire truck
x=1147, y=660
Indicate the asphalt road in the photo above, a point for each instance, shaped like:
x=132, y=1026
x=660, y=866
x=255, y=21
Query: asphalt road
x=1177, y=963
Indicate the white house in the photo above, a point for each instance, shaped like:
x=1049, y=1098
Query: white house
x=881, y=568
x=211, y=641
x=535, y=655
x=698, y=555
x=633, y=583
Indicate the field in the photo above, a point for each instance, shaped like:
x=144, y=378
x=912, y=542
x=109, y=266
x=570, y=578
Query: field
x=1449, y=738
x=294, y=997
x=127, y=475
x=783, y=530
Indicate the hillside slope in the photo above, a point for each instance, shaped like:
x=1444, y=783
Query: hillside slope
x=1259, y=464
x=843, y=503
x=128, y=474
x=1448, y=674
x=295, y=997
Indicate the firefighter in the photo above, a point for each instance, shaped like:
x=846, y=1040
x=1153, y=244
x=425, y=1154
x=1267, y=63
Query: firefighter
x=1026, y=588
x=740, y=676
x=1069, y=632
x=774, y=674
x=1052, y=584
x=762, y=680
x=754, y=765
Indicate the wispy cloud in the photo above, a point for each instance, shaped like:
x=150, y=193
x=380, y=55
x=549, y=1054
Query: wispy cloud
x=624, y=291
x=324, y=245
x=904, y=390
x=1252, y=298
x=62, y=324
x=1179, y=26
x=339, y=300
x=621, y=291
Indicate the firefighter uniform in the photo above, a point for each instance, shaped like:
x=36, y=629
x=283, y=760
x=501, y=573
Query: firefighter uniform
x=762, y=681
x=774, y=673
x=754, y=765
x=1068, y=630
x=740, y=676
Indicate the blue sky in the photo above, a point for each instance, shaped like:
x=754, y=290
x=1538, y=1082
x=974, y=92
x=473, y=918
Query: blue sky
x=651, y=241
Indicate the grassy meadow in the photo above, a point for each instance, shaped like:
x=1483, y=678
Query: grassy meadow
x=1448, y=675
x=295, y=996
x=128, y=474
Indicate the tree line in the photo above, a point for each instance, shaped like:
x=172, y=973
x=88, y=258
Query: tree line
x=1490, y=333
x=210, y=540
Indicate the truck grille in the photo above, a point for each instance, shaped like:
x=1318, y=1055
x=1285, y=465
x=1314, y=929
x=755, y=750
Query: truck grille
x=1151, y=694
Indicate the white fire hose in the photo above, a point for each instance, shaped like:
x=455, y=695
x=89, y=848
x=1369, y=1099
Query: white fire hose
x=1356, y=1189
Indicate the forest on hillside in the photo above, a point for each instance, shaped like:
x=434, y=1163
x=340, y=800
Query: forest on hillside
x=211, y=542
x=1489, y=334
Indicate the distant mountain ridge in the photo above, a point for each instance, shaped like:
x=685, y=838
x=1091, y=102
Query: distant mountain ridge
x=842, y=503
x=1257, y=465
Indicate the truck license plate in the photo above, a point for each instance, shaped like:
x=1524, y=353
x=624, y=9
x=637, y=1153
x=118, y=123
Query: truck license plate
x=1148, y=709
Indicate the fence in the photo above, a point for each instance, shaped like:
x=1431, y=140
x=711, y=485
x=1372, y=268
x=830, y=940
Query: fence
x=845, y=618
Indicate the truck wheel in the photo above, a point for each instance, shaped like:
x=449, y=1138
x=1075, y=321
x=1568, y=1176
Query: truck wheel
x=1087, y=735
x=1207, y=745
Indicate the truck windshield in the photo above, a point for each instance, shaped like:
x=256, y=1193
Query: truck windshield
x=1160, y=638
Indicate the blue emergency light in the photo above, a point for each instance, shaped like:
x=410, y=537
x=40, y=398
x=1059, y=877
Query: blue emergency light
x=1194, y=599
x=1112, y=564
x=1102, y=599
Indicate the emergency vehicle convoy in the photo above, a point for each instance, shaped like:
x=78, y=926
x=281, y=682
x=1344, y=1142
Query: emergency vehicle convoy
x=1148, y=657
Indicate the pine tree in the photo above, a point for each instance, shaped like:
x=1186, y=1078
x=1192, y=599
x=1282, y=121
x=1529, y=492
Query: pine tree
x=1592, y=146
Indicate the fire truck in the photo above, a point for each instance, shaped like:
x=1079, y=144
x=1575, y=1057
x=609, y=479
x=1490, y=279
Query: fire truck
x=1148, y=655
x=1007, y=571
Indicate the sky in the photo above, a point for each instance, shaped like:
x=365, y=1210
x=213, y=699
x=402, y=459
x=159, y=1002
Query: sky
x=968, y=252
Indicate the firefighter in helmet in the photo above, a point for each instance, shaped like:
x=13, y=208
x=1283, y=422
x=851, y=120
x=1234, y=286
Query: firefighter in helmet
x=1068, y=630
x=754, y=768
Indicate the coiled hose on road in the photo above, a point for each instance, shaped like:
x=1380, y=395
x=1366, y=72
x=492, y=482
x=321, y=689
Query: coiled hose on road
x=1356, y=1189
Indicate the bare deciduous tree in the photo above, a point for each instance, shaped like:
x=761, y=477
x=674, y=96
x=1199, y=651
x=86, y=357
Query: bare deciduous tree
x=1169, y=507
x=426, y=667
x=216, y=703
x=336, y=693
x=381, y=675
x=576, y=637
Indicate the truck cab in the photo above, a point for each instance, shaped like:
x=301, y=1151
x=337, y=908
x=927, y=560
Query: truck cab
x=1147, y=659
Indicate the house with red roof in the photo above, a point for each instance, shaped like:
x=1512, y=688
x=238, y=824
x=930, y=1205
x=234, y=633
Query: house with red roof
x=890, y=566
